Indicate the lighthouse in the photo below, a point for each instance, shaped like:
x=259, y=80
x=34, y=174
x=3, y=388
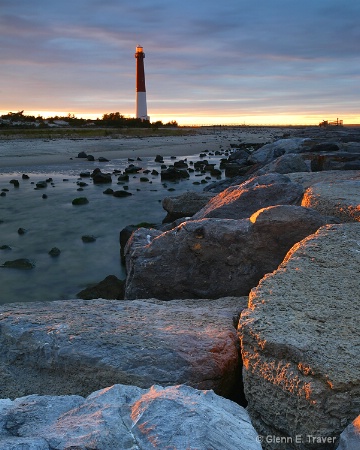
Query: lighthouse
x=141, y=108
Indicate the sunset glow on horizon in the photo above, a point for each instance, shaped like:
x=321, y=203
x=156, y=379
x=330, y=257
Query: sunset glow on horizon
x=229, y=63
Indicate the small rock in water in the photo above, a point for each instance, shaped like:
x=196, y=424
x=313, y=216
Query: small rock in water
x=22, y=263
x=5, y=247
x=15, y=183
x=21, y=231
x=108, y=191
x=54, y=251
x=102, y=159
x=25, y=177
x=41, y=184
x=44, y=196
x=3, y=194
x=88, y=238
x=121, y=194
x=82, y=155
x=80, y=201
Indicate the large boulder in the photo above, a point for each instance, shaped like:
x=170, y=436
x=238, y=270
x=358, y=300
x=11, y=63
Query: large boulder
x=287, y=163
x=307, y=179
x=340, y=199
x=269, y=152
x=78, y=346
x=127, y=417
x=301, y=343
x=185, y=205
x=239, y=202
x=212, y=258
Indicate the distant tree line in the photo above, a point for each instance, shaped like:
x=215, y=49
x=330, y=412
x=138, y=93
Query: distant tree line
x=115, y=120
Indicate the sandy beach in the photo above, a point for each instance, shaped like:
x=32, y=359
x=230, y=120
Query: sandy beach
x=29, y=152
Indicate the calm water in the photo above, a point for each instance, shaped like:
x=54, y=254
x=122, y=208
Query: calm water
x=55, y=222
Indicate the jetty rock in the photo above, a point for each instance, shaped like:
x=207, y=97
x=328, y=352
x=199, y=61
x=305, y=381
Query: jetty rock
x=127, y=417
x=241, y=201
x=340, y=199
x=77, y=346
x=269, y=152
x=213, y=258
x=185, y=205
x=300, y=341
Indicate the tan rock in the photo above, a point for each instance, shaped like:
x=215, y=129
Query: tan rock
x=340, y=199
x=301, y=342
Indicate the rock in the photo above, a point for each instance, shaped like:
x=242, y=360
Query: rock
x=173, y=174
x=21, y=231
x=102, y=159
x=78, y=346
x=123, y=177
x=238, y=202
x=340, y=199
x=90, y=158
x=181, y=164
x=159, y=159
x=80, y=201
x=144, y=179
x=82, y=155
x=285, y=164
x=127, y=417
x=300, y=340
x=133, y=169
x=24, y=176
x=108, y=191
x=54, y=252
x=21, y=263
x=212, y=258
x=121, y=194
x=88, y=238
x=310, y=178
x=184, y=205
x=15, y=183
x=5, y=247
x=350, y=437
x=325, y=147
x=100, y=177
x=334, y=161
x=85, y=174
x=125, y=234
x=41, y=184
x=269, y=152
x=44, y=196
x=111, y=288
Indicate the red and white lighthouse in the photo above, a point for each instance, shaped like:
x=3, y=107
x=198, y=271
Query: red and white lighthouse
x=141, y=108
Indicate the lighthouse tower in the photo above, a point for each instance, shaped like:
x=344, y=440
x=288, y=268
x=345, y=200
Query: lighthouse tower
x=141, y=109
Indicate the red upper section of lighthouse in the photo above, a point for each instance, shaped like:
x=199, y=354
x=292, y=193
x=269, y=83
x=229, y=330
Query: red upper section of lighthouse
x=140, y=72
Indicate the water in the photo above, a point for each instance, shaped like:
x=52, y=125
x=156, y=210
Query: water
x=55, y=222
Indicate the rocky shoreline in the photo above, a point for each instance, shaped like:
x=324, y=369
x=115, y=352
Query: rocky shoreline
x=250, y=290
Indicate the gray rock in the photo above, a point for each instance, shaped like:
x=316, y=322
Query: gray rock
x=300, y=340
x=127, y=417
x=21, y=263
x=212, y=258
x=185, y=205
x=269, y=152
x=239, y=202
x=350, y=437
x=309, y=178
x=287, y=163
x=78, y=346
x=340, y=199
x=110, y=288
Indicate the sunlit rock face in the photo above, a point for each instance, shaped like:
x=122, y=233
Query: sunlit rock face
x=340, y=199
x=301, y=344
x=350, y=437
x=77, y=346
x=241, y=201
x=127, y=417
x=213, y=258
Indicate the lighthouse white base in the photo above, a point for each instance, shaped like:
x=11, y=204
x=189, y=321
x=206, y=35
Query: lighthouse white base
x=141, y=108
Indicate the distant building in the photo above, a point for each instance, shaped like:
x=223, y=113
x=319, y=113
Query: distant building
x=141, y=107
x=335, y=123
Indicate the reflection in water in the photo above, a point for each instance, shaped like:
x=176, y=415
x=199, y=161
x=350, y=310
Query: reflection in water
x=55, y=222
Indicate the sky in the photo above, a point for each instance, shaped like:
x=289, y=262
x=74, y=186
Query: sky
x=206, y=62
